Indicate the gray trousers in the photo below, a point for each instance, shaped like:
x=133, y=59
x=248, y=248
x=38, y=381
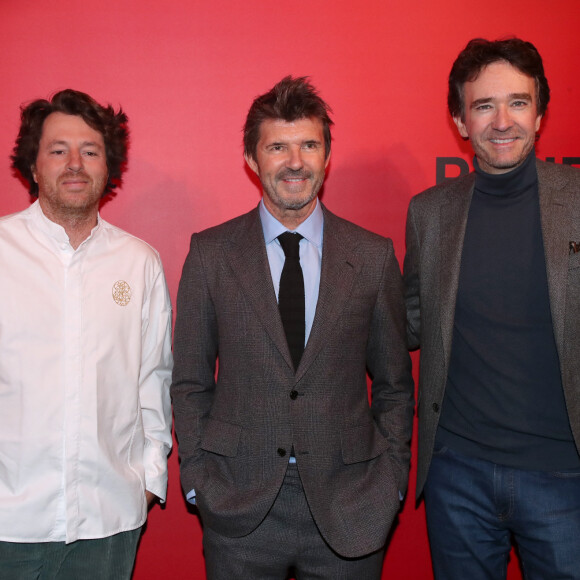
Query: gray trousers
x=109, y=558
x=286, y=543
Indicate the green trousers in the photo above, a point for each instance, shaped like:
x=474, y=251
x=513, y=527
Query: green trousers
x=109, y=558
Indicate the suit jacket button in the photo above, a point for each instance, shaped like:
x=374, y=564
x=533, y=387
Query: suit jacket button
x=281, y=452
x=436, y=407
x=293, y=394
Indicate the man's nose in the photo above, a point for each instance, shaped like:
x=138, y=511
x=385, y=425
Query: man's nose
x=295, y=158
x=75, y=161
x=502, y=120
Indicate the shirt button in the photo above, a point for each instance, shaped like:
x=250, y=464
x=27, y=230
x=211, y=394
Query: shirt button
x=281, y=452
x=293, y=395
x=436, y=407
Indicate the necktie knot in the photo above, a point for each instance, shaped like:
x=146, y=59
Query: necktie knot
x=290, y=244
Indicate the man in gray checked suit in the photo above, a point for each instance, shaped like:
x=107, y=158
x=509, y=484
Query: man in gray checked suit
x=492, y=276
x=291, y=468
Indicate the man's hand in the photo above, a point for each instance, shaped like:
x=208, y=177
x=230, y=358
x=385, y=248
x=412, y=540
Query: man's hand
x=150, y=497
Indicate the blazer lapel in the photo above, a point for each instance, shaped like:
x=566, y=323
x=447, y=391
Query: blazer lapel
x=556, y=230
x=452, y=223
x=249, y=262
x=340, y=266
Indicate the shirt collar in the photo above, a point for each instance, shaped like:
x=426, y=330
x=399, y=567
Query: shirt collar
x=311, y=228
x=54, y=230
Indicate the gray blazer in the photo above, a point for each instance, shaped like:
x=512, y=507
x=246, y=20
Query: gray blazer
x=235, y=433
x=435, y=230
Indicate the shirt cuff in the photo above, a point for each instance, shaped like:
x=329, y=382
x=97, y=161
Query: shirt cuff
x=190, y=497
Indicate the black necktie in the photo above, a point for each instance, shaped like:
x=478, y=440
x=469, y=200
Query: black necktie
x=291, y=295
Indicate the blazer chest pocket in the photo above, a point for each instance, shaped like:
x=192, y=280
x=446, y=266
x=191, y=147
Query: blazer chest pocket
x=574, y=261
x=362, y=443
x=220, y=437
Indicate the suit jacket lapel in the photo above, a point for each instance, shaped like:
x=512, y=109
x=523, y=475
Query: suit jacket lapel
x=249, y=261
x=340, y=266
x=452, y=223
x=556, y=229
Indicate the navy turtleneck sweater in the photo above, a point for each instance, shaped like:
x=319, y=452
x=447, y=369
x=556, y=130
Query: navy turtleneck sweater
x=504, y=400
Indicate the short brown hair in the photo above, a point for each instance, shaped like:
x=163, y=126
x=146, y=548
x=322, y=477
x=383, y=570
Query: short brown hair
x=480, y=53
x=290, y=99
x=113, y=127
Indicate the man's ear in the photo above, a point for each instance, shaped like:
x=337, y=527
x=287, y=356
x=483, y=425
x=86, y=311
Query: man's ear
x=33, y=171
x=459, y=123
x=252, y=163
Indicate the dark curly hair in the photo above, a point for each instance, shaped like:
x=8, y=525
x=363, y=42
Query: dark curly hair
x=480, y=53
x=113, y=127
x=290, y=99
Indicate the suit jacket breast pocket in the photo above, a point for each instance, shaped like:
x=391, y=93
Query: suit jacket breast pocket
x=574, y=261
x=573, y=282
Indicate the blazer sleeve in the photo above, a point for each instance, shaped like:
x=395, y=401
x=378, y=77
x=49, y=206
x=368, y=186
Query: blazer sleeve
x=195, y=349
x=389, y=366
x=411, y=276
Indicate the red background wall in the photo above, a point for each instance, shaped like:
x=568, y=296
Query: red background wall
x=186, y=71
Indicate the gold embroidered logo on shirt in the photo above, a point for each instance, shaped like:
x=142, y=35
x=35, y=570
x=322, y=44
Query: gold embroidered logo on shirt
x=121, y=293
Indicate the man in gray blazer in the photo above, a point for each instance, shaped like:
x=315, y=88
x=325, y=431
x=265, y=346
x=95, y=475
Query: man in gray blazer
x=291, y=468
x=492, y=276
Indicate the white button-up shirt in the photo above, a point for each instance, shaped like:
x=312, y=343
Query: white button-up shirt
x=85, y=368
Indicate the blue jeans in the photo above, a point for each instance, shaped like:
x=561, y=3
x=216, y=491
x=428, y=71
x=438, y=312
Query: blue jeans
x=474, y=508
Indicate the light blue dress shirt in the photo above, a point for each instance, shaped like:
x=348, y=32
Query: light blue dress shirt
x=311, y=230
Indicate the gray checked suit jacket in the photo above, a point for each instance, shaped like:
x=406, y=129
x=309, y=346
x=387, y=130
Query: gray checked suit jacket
x=235, y=432
x=435, y=230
